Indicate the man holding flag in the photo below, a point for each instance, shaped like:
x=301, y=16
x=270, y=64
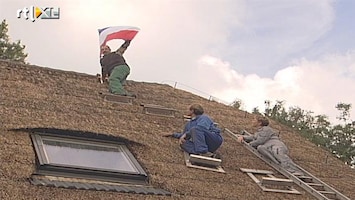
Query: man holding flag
x=113, y=64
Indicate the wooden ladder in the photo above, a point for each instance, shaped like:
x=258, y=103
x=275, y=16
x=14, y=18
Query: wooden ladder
x=152, y=109
x=266, y=183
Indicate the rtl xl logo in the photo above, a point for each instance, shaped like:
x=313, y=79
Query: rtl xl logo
x=34, y=13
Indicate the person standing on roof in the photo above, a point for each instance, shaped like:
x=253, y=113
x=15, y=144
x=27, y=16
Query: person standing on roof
x=115, y=67
x=200, y=135
x=268, y=144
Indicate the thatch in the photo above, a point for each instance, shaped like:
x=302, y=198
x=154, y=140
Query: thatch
x=37, y=97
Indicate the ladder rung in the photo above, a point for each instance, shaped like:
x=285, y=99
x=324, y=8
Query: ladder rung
x=297, y=174
x=315, y=184
x=326, y=192
x=304, y=177
x=256, y=171
x=205, y=160
x=276, y=181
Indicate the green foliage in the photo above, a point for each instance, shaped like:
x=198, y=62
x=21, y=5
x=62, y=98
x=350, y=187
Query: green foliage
x=339, y=139
x=237, y=103
x=342, y=142
x=267, y=108
x=256, y=111
x=10, y=50
x=345, y=111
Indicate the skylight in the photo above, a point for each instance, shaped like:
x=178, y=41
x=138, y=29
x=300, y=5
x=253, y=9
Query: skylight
x=83, y=158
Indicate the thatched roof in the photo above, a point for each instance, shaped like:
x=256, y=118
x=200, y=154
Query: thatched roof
x=37, y=97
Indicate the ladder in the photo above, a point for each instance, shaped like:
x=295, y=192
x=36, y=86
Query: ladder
x=283, y=185
x=307, y=181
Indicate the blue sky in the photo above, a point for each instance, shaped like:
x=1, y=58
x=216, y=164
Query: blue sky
x=301, y=52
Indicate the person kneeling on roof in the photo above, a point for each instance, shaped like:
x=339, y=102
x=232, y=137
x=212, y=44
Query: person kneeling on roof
x=200, y=135
x=268, y=144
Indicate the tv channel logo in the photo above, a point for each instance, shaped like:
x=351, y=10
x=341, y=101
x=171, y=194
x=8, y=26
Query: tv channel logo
x=34, y=12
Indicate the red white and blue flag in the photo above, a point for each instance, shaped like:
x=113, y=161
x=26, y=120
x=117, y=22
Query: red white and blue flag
x=117, y=32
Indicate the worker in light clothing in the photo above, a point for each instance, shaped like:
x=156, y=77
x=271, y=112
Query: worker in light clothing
x=115, y=67
x=268, y=144
x=200, y=135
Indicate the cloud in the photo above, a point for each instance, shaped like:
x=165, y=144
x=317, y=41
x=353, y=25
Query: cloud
x=273, y=31
x=311, y=85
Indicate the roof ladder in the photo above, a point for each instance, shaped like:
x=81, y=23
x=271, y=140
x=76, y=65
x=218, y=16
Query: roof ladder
x=152, y=109
x=266, y=183
x=307, y=181
x=202, y=162
x=118, y=98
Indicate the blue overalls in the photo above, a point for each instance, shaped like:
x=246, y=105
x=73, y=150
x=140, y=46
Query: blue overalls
x=202, y=136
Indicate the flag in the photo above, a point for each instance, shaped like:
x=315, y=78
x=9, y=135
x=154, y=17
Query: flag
x=117, y=32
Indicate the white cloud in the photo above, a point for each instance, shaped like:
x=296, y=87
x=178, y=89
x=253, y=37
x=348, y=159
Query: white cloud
x=311, y=85
x=272, y=31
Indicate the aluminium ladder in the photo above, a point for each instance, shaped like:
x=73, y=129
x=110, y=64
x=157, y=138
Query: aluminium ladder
x=307, y=181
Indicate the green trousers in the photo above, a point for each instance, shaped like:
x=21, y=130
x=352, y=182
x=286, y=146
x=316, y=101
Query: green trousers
x=117, y=78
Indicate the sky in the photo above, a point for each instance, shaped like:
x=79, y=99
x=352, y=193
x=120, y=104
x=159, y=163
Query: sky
x=300, y=52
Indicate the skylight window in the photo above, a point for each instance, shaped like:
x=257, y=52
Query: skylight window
x=83, y=158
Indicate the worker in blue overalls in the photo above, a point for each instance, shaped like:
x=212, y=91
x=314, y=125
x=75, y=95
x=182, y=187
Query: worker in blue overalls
x=200, y=135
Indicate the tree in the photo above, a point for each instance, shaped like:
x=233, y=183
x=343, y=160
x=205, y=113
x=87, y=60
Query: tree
x=256, y=111
x=321, y=125
x=345, y=111
x=10, y=50
x=338, y=139
x=267, y=108
x=296, y=115
x=342, y=142
x=278, y=112
x=237, y=103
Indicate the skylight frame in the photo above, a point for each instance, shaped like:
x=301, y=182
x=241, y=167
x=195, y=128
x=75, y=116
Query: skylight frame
x=44, y=167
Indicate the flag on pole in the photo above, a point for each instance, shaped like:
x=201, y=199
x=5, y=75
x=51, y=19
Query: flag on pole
x=117, y=32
